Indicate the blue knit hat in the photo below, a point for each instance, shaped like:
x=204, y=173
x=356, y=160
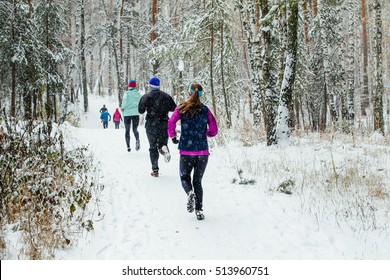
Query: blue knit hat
x=154, y=82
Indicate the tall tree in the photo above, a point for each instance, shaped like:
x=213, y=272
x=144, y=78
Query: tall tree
x=365, y=96
x=51, y=18
x=212, y=39
x=351, y=62
x=220, y=19
x=13, y=65
x=224, y=91
x=317, y=93
x=154, y=34
x=83, y=63
x=286, y=105
x=379, y=89
x=269, y=74
x=250, y=19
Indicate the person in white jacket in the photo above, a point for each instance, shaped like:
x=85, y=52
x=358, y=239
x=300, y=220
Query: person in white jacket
x=129, y=107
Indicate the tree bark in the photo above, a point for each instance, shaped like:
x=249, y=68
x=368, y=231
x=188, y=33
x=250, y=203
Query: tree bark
x=13, y=69
x=225, y=95
x=251, y=16
x=212, y=67
x=49, y=97
x=379, y=88
x=246, y=62
x=120, y=30
x=269, y=78
x=286, y=105
x=351, y=62
x=109, y=71
x=305, y=23
x=154, y=35
x=82, y=56
x=365, y=96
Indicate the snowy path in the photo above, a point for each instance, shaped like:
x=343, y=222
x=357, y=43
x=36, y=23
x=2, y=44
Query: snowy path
x=146, y=217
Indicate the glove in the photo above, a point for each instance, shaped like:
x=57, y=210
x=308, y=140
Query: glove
x=174, y=140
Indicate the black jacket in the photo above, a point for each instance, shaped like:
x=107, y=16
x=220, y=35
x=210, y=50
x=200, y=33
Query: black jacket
x=157, y=104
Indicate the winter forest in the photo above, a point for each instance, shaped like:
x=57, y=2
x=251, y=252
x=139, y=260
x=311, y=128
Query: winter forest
x=272, y=70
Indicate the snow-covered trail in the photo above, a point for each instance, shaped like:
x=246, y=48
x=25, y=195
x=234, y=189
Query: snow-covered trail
x=146, y=217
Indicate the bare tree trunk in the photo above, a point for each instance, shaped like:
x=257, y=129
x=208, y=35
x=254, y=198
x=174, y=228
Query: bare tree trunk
x=82, y=57
x=225, y=95
x=154, y=34
x=250, y=21
x=34, y=103
x=128, y=58
x=315, y=7
x=120, y=30
x=90, y=48
x=351, y=61
x=109, y=71
x=246, y=63
x=118, y=73
x=365, y=96
x=100, y=78
x=305, y=23
x=72, y=95
x=27, y=93
x=379, y=89
x=13, y=71
x=286, y=105
x=324, y=107
x=116, y=41
x=269, y=79
x=91, y=72
x=13, y=94
x=211, y=67
x=49, y=98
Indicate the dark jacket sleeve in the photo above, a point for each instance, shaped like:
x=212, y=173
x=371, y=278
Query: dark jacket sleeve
x=172, y=105
x=142, y=105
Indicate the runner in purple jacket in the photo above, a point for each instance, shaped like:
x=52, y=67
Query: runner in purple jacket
x=197, y=123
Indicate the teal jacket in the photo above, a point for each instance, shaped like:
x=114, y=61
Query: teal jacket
x=130, y=102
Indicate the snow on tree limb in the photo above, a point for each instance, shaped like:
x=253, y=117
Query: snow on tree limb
x=265, y=20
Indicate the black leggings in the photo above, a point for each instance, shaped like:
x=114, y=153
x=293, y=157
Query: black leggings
x=198, y=164
x=158, y=137
x=128, y=120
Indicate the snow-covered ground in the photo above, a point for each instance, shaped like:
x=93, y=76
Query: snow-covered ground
x=145, y=218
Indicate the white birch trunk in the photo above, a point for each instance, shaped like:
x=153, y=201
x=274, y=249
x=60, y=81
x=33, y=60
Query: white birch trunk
x=283, y=122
